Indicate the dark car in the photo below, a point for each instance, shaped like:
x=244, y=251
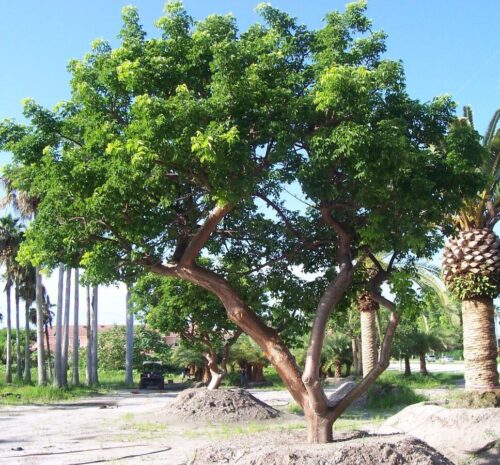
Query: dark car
x=152, y=376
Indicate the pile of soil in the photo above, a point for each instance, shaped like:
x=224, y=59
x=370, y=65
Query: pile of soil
x=349, y=449
x=220, y=405
x=459, y=434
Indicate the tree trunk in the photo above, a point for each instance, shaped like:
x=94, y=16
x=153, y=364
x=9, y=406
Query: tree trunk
x=368, y=340
x=348, y=369
x=65, y=348
x=8, y=348
x=204, y=374
x=356, y=357
x=19, y=364
x=47, y=342
x=58, y=381
x=76, y=334
x=423, y=365
x=338, y=369
x=42, y=373
x=258, y=372
x=129, y=353
x=88, y=370
x=480, y=351
x=407, y=365
x=27, y=353
x=319, y=428
x=95, y=306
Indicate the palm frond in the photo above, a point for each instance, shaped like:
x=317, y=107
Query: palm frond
x=468, y=115
x=491, y=132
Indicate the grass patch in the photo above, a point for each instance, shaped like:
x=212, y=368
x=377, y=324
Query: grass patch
x=418, y=381
x=390, y=398
x=231, y=430
x=18, y=393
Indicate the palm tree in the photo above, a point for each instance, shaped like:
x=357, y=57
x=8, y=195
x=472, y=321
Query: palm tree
x=76, y=342
x=27, y=291
x=471, y=265
x=26, y=205
x=129, y=352
x=10, y=239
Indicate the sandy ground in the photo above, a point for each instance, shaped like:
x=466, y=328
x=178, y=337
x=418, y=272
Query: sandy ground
x=122, y=428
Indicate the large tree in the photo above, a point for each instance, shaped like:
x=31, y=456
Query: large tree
x=187, y=144
x=471, y=263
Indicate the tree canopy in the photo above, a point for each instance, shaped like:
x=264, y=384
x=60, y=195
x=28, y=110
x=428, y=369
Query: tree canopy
x=185, y=145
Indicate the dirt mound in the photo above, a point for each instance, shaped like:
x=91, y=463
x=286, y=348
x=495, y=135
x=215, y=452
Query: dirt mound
x=220, y=405
x=459, y=434
x=289, y=449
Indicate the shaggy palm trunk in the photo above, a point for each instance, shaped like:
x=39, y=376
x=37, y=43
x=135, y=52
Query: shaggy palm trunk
x=76, y=341
x=27, y=353
x=368, y=340
x=407, y=365
x=95, y=303
x=58, y=381
x=19, y=365
x=41, y=371
x=129, y=349
x=480, y=352
x=8, y=349
x=338, y=369
x=65, y=348
x=423, y=365
x=88, y=370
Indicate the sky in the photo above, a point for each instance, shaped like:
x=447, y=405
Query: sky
x=447, y=47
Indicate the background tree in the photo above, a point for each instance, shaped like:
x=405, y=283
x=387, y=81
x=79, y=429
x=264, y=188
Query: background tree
x=249, y=356
x=173, y=305
x=471, y=263
x=147, y=166
x=27, y=291
x=10, y=239
x=129, y=346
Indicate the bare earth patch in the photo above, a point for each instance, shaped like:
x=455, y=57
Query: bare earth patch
x=348, y=449
x=220, y=405
x=464, y=435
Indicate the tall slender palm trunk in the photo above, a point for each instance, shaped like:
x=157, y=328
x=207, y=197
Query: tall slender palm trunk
x=42, y=372
x=88, y=370
x=19, y=365
x=49, y=357
x=76, y=341
x=65, y=347
x=8, y=349
x=130, y=341
x=480, y=352
x=95, y=305
x=27, y=353
x=58, y=381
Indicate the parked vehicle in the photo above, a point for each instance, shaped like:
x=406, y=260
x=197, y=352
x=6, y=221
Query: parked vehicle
x=430, y=358
x=152, y=376
x=447, y=358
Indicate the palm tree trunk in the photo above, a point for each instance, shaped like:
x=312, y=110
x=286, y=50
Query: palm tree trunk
x=19, y=365
x=423, y=364
x=407, y=365
x=130, y=342
x=368, y=340
x=8, y=349
x=76, y=342
x=65, y=348
x=356, y=357
x=42, y=372
x=95, y=304
x=480, y=351
x=27, y=353
x=49, y=358
x=58, y=381
x=89, y=371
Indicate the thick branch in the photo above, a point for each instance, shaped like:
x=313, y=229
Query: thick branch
x=331, y=297
x=201, y=237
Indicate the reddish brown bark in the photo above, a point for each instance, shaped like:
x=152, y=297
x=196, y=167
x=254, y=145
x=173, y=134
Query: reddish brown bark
x=423, y=365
